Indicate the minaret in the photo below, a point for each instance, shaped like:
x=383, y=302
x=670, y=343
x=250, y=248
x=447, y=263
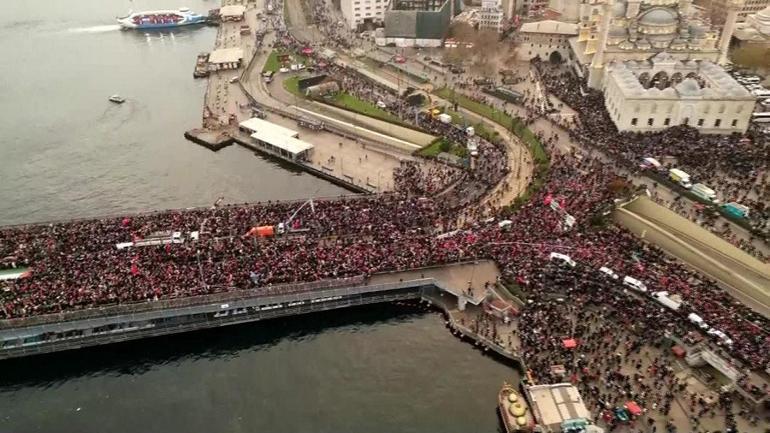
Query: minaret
x=596, y=72
x=733, y=6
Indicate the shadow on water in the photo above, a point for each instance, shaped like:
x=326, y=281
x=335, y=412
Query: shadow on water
x=139, y=356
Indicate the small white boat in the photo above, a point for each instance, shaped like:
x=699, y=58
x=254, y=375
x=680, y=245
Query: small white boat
x=117, y=99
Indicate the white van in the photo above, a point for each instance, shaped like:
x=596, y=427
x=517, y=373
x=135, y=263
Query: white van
x=609, y=272
x=680, y=177
x=650, y=164
x=704, y=192
x=697, y=321
x=760, y=93
x=634, y=284
x=564, y=258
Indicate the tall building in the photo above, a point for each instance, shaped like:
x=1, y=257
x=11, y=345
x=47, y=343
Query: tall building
x=491, y=15
x=719, y=8
x=620, y=30
x=417, y=23
x=359, y=13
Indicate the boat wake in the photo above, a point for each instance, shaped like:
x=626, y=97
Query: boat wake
x=96, y=29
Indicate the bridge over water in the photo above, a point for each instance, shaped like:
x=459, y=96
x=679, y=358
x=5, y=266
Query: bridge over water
x=464, y=282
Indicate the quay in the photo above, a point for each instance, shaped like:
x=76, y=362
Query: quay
x=113, y=324
x=351, y=150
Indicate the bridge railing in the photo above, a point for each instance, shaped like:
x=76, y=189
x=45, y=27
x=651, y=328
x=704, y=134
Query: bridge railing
x=222, y=296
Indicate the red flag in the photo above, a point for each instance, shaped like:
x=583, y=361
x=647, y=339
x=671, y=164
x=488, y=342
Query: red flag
x=134, y=269
x=126, y=221
x=547, y=200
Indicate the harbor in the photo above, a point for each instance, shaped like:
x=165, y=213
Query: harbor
x=350, y=150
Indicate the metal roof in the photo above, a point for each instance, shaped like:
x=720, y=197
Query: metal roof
x=257, y=125
x=226, y=55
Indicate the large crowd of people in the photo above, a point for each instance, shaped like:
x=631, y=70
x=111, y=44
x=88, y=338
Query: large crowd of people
x=736, y=166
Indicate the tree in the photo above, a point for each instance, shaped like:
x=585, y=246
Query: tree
x=751, y=56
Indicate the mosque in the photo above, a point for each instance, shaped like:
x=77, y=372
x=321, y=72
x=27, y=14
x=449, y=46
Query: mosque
x=656, y=62
x=620, y=30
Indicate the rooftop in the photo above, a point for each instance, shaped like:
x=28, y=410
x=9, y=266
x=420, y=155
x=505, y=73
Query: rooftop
x=554, y=404
x=232, y=10
x=226, y=55
x=257, y=125
x=550, y=27
x=668, y=78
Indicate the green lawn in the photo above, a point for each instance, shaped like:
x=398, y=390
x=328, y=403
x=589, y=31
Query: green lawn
x=443, y=145
x=291, y=84
x=272, y=62
x=542, y=161
x=352, y=103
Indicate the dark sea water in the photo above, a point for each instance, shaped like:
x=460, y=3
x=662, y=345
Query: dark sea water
x=65, y=151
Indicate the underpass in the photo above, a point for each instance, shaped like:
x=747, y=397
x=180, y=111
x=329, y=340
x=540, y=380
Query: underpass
x=743, y=276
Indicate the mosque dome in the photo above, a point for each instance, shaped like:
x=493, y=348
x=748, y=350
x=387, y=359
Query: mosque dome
x=618, y=32
x=689, y=87
x=658, y=17
x=619, y=9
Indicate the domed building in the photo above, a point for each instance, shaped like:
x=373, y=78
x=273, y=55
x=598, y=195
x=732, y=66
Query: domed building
x=756, y=29
x=621, y=30
x=663, y=91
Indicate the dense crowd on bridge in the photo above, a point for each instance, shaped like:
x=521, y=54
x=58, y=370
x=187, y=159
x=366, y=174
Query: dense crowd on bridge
x=76, y=265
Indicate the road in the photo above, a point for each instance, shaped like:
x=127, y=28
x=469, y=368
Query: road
x=745, y=277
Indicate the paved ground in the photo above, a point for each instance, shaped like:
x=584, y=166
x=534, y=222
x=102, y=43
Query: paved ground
x=747, y=278
x=459, y=277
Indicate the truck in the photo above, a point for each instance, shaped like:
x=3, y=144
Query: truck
x=704, y=192
x=680, y=177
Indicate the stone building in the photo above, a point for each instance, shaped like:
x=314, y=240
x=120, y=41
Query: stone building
x=749, y=7
x=548, y=40
x=663, y=91
x=756, y=29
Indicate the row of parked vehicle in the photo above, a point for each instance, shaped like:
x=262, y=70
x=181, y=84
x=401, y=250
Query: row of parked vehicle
x=703, y=191
x=673, y=302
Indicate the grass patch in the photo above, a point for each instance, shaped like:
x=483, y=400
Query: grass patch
x=442, y=144
x=536, y=149
x=352, y=103
x=272, y=63
x=291, y=84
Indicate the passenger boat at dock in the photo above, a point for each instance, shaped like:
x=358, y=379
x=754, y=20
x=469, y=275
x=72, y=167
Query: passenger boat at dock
x=514, y=411
x=160, y=19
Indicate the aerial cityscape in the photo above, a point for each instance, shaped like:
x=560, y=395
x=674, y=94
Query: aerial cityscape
x=385, y=215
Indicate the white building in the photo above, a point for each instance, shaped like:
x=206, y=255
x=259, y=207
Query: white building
x=361, y=12
x=491, y=15
x=749, y=7
x=547, y=39
x=662, y=92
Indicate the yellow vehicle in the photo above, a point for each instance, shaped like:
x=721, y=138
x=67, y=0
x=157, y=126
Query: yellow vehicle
x=433, y=111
